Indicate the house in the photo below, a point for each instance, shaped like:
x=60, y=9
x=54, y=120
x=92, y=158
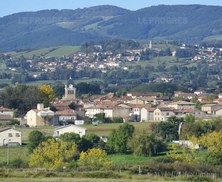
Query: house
x=211, y=108
x=184, y=95
x=136, y=111
x=199, y=92
x=182, y=105
x=40, y=116
x=79, y=122
x=119, y=110
x=92, y=111
x=110, y=109
x=6, y=115
x=147, y=114
x=163, y=113
x=10, y=137
x=66, y=115
x=217, y=112
x=70, y=129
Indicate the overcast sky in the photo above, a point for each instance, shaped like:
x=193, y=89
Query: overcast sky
x=13, y=6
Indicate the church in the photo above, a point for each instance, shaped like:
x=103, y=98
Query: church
x=70, y=90
x=69, y=105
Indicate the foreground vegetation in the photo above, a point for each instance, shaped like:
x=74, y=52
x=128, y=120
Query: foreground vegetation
x=128, y=155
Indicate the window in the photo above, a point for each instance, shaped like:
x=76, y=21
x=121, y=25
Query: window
x=10, y=135
x=17, y=134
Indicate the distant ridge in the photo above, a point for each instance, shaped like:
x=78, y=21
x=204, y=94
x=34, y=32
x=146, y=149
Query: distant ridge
x=46, y=28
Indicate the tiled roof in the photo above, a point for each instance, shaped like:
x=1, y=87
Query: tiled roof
x=166, y=109
x=68, y=112
x=5, y=109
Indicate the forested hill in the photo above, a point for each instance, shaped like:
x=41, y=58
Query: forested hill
x=30, y=30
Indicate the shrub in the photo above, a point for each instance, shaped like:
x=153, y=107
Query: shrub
x=95, y=158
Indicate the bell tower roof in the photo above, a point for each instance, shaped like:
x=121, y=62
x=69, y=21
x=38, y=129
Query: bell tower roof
x=70, y=81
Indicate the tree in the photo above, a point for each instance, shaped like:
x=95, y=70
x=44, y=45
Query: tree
x=86, y=142
x=47, y=93
x=189, y=118
x=95, y=158
x=146, y=144
x=21, y=97
x=53, y=154
x=213, y=143
x=169, y=130
x=34, y=139
x=119, y=138
x=95, y=140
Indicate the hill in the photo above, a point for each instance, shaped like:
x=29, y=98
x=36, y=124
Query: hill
x=52, y=28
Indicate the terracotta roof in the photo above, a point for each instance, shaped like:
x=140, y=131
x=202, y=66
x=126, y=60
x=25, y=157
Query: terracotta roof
x=146, y=94
x=138, y=105
x=182, y=103
x=5, y=109
x=67, y=112
x=151, y=109
x=166, y=109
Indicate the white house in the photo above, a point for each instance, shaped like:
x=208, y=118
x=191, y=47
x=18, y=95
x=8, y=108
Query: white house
x=9, y=136
x=70, y=129
x=66, y=115
x=40, y=116
x=147, y=114
x=162, y=114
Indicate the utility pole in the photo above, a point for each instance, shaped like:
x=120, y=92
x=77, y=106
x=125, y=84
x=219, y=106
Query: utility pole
x=7, y=153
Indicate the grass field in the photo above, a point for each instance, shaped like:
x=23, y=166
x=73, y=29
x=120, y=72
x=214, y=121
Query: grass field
x=100, y=130
x=119, y=159
x=139, y=179
x=62, y=81
x=13, y=154
x=49, y=52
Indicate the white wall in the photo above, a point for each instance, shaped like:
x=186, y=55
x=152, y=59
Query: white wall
x=9, y=136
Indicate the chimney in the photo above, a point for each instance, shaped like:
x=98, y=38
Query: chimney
x=40, y=106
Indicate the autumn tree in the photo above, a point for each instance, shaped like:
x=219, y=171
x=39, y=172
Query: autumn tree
x=212, y=142
x=47, y=93
x=95, y=158
x=53, y=154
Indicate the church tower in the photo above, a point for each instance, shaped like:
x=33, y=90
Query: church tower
x=150, y=45
x=70, y=90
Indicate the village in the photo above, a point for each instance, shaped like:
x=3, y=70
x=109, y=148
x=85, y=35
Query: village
x=133, y=107
x=104, y=61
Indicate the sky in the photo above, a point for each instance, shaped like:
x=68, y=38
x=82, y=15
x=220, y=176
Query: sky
x=8, y=7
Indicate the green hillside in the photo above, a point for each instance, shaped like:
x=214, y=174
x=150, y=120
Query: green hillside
x=50, y=52
x=54, y=28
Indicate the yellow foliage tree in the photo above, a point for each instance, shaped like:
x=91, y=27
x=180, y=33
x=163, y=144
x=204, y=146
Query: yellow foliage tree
x=182, y=153
x=212, y=141
x=48, y=91
x=95, y=158
x=53, y=154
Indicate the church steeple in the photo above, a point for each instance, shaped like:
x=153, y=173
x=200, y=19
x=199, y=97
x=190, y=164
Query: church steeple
x=70, y=90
